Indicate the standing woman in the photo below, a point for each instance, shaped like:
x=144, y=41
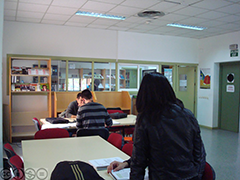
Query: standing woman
x=167, y=137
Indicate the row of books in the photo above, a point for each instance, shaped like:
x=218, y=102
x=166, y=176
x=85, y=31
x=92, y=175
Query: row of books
x=31, y=87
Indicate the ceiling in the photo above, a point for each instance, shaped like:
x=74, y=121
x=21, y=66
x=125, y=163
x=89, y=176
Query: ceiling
x=219, y=16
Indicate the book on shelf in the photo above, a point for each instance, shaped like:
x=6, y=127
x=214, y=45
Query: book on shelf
x=102, y=164
x=44, y=86
x=124, y=174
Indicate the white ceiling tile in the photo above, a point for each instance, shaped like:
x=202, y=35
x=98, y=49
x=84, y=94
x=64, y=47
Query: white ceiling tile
x=125, y=24
x=92, y=5
x=47, y=2
x=29, y=14
x=135, y=19
x=223, y=18
x=76, y=24
x=173, y=17
x=118, y=28
x=190, y=11
x=47, y=21
x=9, y=18
x=192, y=21
x=32, y=7
x=10, y=5
x=10, y=1
x=62, y=10
x=9, y=13
x=101, y=21
x=25, y=19
x=211, y=23
x=82, y=19
x=232, y=9
x=140, y=3
x=97, y=26
x=229, y=18
x=125, y=10
x=229, y=26
x=211, y=4
x=67, y=3
x=110, y=1
x=56, y=17
x=158, y=22
x=162, y=6
x=212, y=15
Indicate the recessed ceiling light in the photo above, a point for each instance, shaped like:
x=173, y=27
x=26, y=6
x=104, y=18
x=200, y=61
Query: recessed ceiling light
x=92, y=14
x=187, y=26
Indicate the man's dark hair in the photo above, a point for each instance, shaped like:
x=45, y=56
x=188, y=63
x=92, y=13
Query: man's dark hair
x=79, y=95
x=86, y=94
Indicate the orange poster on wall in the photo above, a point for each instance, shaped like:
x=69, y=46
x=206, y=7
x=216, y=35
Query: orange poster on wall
x=205, y=78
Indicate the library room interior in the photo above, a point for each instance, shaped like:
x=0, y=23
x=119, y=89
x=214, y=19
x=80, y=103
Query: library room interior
x=129, y=87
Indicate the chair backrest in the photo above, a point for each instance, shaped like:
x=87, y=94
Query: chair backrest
x=51, y=133
x=209, y=173
x=17, y=166
x=116, y=140
x=127, y=148
x=9, y=150
x=37, y=123
x=102, y=132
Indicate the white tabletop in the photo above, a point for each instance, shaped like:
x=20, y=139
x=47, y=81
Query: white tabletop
x=41, y=156
x=128, y=121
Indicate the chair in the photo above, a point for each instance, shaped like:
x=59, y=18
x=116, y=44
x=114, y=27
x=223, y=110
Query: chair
x=17, y=166
x=116, y=140
x=37, y=123
x=9, y=150
x=127, y=148
x=102, y=132
x=51, y=133
x=209, y=173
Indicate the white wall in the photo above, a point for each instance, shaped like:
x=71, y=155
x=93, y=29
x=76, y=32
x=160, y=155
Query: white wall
x=139, y=46
x=213, y=51
x=1, y=53
x=54, y=40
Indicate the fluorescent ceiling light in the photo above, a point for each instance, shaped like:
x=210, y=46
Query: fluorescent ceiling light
x=92, y=14
x=186, y=26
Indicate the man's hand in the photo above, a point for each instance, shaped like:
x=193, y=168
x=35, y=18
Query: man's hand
x=116, y=166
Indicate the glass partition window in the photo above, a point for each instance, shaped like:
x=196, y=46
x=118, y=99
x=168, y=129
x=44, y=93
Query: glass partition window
x=58, y=75
x=79, y=75
x=145, y=69
x=104, y=77
x=167, y=70
x=130, y=76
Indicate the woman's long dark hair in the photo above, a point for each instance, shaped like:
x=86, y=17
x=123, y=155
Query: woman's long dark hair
x=155, y=95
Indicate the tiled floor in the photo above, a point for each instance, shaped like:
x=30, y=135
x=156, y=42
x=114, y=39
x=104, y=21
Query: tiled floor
x=223, y=152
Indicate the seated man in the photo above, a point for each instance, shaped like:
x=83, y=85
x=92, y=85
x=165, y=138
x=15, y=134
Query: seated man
x=72, y=108
x=91, y=114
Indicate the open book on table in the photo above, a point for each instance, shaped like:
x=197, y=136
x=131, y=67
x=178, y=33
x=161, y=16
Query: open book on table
x=124, y=174
x=102, y=164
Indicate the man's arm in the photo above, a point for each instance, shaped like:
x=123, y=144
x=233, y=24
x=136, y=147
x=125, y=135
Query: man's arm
x=72, y=109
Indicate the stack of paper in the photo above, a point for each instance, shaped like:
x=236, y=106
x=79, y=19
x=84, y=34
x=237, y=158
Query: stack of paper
x=102, y=164
x=124, y=174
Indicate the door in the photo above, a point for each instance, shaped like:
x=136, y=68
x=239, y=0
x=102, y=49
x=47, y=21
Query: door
x=186, y=85
x=229, y=96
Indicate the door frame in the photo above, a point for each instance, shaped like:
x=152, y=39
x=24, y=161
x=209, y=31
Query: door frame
x=195, y=66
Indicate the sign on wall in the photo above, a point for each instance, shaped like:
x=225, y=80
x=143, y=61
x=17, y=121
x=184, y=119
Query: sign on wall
x=205, y=78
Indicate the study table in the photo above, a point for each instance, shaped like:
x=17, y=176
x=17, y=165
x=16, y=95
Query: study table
x=122, y=123
x=41, y=156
